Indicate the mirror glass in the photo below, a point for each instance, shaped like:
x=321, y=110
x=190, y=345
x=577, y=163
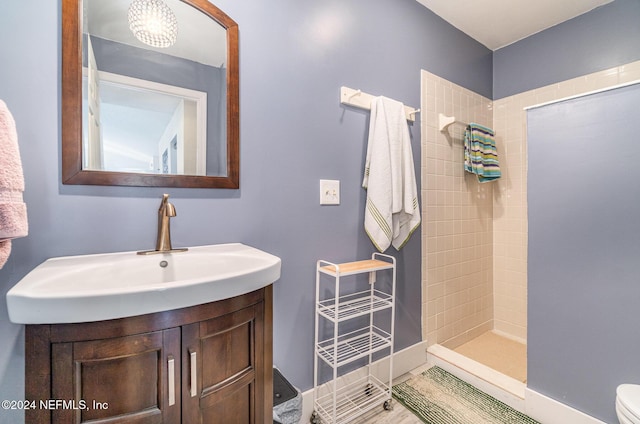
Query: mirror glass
x=149, y=94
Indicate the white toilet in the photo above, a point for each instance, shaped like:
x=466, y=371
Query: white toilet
x=628, y=403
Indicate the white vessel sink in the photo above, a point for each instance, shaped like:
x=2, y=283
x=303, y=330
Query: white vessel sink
x=116, y=285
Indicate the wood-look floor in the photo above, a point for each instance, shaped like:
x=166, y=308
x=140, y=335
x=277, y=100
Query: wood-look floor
x=399, y=415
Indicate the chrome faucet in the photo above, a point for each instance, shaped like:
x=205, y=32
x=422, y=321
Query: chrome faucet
x=163, y=239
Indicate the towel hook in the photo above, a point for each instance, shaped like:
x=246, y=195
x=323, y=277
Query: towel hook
x=357, y=93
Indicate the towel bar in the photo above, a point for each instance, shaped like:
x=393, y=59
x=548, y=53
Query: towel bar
x=357, y=98
x=444, y=121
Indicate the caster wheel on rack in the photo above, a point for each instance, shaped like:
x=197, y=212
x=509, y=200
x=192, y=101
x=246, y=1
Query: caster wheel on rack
x=315, y=418
x=387, y=405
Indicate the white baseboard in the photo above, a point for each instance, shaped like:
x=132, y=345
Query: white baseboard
x=403, y=361
x=550, y=411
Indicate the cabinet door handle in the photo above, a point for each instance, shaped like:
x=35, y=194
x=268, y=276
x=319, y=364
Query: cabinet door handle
x=172, y=380
x=194, y=373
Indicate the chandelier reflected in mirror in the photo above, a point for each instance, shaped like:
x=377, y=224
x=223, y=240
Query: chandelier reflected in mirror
x=153, y=23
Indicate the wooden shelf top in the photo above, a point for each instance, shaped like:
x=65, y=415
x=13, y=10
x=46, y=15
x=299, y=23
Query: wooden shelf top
x=368, y=265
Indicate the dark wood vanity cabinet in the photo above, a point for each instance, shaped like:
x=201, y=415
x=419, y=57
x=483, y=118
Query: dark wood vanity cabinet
x=126, y=377
x=223, y=357
x=210, y=363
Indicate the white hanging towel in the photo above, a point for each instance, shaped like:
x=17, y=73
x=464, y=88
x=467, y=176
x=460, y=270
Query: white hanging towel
x=392, y=212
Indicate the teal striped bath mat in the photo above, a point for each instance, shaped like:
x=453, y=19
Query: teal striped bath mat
x=438, y=397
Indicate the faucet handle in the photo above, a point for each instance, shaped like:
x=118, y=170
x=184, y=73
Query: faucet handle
x=170, y=210
x=164, y=201
x=166, y=208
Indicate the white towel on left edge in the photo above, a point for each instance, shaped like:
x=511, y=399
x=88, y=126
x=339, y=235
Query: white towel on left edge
x=13, y=211
x=392, y=212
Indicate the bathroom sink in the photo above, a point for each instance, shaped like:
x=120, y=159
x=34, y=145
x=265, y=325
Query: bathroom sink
x=116, y=285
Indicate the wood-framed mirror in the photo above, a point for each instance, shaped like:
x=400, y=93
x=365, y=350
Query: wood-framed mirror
x=142, y=109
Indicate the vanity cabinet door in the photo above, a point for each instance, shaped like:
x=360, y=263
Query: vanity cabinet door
x=119, y=380
x=223, y=369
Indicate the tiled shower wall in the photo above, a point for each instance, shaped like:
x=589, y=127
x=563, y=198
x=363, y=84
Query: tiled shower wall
x=475, y=235
x=457, y=220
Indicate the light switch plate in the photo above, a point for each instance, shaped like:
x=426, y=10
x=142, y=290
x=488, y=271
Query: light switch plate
x=329, y=192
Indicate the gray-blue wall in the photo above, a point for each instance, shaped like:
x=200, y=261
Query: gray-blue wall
x=603, y=38
x=584, y=245
x=294, y=56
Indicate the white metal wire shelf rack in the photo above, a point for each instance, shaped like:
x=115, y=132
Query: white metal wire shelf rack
x=353, y=346
x=338, y=405
x=352, y=400
x=355, y=305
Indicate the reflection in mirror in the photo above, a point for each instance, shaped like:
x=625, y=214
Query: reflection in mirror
x=155, y=107
x=144, y=127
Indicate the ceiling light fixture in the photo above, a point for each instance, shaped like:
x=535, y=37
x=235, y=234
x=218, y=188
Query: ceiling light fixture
x=153, y=23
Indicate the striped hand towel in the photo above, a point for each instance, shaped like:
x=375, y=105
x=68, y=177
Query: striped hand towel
x=480, y=154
